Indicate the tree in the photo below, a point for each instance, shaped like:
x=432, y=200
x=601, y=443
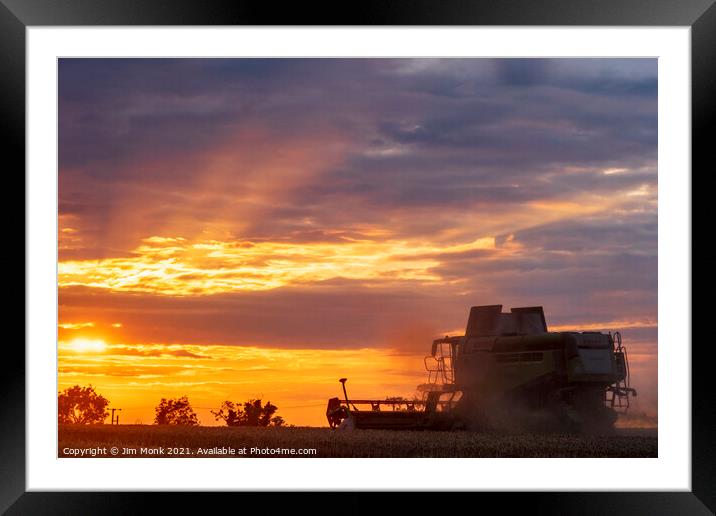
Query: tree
x=81, y=406
x=175, y=411
x=250, y=413
x=277, y=421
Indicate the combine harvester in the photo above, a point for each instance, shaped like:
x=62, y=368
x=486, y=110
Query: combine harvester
x=507, y=370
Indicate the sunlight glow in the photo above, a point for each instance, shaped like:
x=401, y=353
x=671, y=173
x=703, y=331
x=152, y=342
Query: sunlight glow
x=88, y=345
x=136, y=376
x=179, y=267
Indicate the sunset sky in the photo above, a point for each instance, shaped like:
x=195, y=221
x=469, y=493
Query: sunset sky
x=237, y=228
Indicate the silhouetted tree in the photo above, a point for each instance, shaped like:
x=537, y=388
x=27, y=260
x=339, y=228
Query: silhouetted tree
x=175, y=411
x=250, y=413
x=228, y=412
x=81, y=406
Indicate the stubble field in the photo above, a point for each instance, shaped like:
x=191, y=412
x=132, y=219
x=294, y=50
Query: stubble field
x=236, y=442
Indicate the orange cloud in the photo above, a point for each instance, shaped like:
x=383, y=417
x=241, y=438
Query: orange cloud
x=178, y=267
x=76, y=326
x=604, y=326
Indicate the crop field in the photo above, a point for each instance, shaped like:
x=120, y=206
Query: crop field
x=237, y=442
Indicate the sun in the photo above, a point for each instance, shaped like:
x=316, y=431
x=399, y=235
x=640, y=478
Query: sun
x=88, y=345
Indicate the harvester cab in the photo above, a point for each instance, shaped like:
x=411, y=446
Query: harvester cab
x=506, y=365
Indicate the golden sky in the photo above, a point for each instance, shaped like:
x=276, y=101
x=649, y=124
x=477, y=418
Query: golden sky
x=239, y=228
x=299, y=381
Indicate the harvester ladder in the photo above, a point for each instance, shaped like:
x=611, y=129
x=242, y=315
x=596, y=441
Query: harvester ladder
x=441, y=370
x=620, y=392
x=446, y=369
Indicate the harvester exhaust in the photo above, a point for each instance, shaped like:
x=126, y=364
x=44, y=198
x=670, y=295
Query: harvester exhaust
x=343, y=383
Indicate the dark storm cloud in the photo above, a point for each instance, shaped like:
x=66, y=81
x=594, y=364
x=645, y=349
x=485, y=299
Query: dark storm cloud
x=616, y=232
x=422, y=179
x=312, y=150
x=124, y=109
x=160, y=121
x=523, y=72
x=628, y=77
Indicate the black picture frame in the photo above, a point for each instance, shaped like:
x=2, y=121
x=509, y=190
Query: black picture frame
x=17, y=15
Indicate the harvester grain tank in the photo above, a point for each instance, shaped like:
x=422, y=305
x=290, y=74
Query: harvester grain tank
x=507, y=369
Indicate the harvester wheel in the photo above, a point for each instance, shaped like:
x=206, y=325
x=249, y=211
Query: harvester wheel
x=600, y=421
x=584, y=412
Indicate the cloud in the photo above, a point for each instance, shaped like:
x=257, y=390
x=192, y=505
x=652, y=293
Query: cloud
x=262, y=148
x=153, y=351
x=337, y=202
x=75, y=326
x=174, y=266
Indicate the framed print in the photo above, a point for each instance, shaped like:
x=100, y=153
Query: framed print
x=302, y=252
